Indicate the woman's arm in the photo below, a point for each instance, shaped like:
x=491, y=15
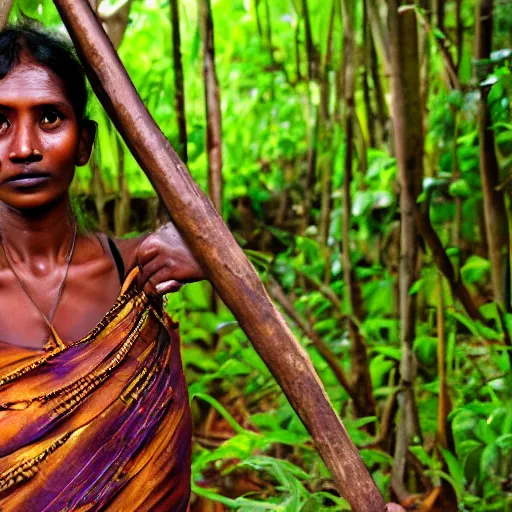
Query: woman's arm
x=164, y=259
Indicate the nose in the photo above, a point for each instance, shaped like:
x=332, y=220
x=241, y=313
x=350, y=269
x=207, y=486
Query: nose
x=24, y=144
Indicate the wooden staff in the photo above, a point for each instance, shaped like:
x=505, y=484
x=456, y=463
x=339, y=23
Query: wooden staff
x=223, y=261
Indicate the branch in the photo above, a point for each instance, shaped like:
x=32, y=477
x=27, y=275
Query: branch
x=328, y=293
x=279, y=296
x=451, y=67
x=5, y=10
x=310, y=47
x=380, y=34
x=443, y=262
x=221, y=258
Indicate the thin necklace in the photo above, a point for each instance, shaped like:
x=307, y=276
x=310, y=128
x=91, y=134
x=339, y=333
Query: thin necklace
x=48, y=319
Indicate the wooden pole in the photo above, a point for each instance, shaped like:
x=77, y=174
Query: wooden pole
x=223, y=261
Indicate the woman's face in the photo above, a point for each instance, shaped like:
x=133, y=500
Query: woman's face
x=41, y=141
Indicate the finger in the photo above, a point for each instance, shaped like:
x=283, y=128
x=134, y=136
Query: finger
x=150, y=269
x=149, y=289
x=168, y=287
x=147, y=251
x=161, y=276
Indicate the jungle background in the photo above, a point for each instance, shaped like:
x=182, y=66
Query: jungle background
x=361, y=153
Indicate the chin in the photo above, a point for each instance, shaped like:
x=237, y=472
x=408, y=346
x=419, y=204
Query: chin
x=33, y=202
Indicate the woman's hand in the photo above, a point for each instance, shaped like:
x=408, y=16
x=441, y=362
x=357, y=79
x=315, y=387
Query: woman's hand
x=166, y=262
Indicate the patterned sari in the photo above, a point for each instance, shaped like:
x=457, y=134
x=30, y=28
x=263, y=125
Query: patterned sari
x=100, y=424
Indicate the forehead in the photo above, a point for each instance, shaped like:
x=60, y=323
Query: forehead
x=32, y=82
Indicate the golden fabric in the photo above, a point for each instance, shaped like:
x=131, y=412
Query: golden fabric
x=100, y=424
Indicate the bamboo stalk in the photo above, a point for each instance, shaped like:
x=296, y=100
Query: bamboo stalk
x=223, y=261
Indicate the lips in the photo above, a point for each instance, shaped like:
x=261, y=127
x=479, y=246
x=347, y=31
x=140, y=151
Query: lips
x=28, y=179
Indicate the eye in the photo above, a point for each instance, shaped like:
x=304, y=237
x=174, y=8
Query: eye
x=51, y=119
x=4, y=124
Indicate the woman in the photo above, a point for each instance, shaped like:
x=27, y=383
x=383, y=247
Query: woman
x=93, y=404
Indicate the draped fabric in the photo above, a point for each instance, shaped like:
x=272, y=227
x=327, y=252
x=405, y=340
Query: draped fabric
x=100, y=424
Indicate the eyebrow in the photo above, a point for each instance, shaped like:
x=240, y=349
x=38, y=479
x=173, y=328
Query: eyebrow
x=61, y=105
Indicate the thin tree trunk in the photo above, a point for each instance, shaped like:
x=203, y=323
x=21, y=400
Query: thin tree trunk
x=324, y=79
x=258, y=19
x=325, y=168
x=443, y=262
x=213, y=123
x=310, y=47
x=440, y=15
x=362, y=145
x=494, y=205
x=98, y=192
x=371, y=120
x=220, y=257
x=310, y=178
x=270, y=47
x=483, y=246
x=361, y=380
x=379, y=32
x=122, y=204
x=179, y=88
x=444, y=435
x=162, y=216
x=443, y=406
x=457, y=223
x=313, y=122
x=268, y=34
x=459, y=27
x=297, y=53
x=289, y=176
x=408, y=134
x=212, y=103
x=326, y=137
x=424, y=50
x=380, y=100
x=450, y=66
x=115, y=25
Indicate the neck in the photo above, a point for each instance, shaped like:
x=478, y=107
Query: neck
x=42, y=234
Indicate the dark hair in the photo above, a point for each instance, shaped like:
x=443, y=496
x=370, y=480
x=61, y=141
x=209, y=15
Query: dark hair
x=50, y=50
